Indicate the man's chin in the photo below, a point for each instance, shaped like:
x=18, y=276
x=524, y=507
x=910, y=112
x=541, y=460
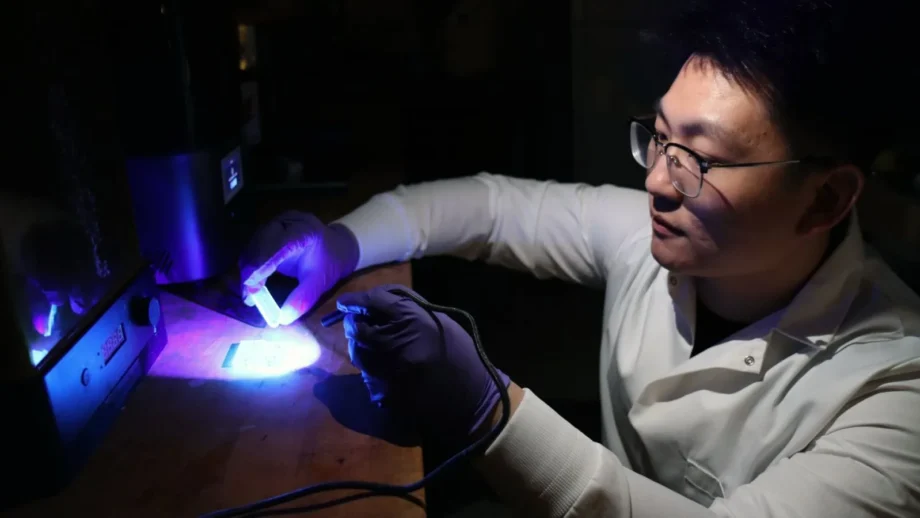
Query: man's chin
x=669, y=259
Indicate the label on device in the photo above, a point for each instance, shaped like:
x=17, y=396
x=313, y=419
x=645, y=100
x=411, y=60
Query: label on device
x=232, y=174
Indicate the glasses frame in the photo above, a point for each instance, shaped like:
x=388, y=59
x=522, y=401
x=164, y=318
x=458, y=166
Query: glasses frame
x=705, y=165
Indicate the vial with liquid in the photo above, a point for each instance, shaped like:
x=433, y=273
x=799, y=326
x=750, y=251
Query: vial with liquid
x=267, y=306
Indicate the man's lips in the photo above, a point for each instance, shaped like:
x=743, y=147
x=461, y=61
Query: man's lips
x=662, y=227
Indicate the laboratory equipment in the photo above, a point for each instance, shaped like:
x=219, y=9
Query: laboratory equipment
x=81, y=321
x=180, y=112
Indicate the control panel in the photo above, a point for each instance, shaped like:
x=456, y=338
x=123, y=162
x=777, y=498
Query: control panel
x=87, y=374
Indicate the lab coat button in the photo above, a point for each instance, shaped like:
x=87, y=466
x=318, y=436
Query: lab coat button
x=749, y=361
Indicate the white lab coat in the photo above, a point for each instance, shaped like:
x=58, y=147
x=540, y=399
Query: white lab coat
x=811, y=412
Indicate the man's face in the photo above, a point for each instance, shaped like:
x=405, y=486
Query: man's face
x=744, y=220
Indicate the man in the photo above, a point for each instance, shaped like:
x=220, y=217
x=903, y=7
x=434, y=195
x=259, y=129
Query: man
x=757, y=360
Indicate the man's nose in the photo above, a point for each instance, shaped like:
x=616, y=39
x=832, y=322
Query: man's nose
x=658, y=182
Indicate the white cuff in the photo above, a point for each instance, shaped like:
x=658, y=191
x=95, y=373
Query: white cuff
x=382, y=229
x=540, y=461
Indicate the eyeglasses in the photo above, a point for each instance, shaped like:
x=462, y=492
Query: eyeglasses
x=685, y=167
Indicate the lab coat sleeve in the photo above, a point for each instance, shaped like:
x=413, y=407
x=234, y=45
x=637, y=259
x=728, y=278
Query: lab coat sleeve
x=569, y=231
x=866, y=465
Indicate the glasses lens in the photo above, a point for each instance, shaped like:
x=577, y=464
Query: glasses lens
x=642, y=145
x=684, y=171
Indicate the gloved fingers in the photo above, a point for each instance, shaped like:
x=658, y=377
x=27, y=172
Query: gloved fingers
x=258, y=253
x=253, y=274
x=356, y=328
x=373, y=357
x=354, y=303
x=376, y=388
x=359, y=354
x=253, y=279
x=283, y=237
x=374, y=333
x=382, y=301
x=376, y=303
x=300, y=300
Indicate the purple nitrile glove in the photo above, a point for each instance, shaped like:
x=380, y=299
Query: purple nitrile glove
x=298, y=245
x=419, y=361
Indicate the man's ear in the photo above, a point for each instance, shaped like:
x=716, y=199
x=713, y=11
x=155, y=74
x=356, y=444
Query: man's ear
x=834, y=193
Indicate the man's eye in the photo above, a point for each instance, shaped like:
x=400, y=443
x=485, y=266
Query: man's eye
x=661, y=136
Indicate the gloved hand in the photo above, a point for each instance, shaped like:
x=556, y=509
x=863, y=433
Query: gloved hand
x=420, y=362
x=298, y=245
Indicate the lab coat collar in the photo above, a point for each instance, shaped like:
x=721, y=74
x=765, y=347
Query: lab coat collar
x=815, y=313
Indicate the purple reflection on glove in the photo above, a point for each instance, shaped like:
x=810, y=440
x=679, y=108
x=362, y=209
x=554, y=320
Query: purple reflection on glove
x=298, y=245
x=419, y=361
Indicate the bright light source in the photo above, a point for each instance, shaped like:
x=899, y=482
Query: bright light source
x=196, y=354
x=52, y=314
x=38, y=355
x=270, y=358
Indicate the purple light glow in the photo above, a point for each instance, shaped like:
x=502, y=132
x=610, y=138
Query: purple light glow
x=43, y=323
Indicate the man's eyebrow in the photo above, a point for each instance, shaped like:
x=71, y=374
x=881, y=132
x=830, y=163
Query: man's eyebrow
x=660, y=112
x=704, y=128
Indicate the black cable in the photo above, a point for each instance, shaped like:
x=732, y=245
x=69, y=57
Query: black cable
x=382, y=489
x=331, y=503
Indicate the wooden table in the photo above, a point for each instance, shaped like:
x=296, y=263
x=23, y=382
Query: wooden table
x=195, y=436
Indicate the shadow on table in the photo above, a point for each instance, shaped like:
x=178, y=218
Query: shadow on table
x=347, y=399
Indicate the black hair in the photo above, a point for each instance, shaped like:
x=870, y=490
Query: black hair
x=837, y=75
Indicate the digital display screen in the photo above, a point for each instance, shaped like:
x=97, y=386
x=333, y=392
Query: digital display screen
x=231, y=167
x=113, y=343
